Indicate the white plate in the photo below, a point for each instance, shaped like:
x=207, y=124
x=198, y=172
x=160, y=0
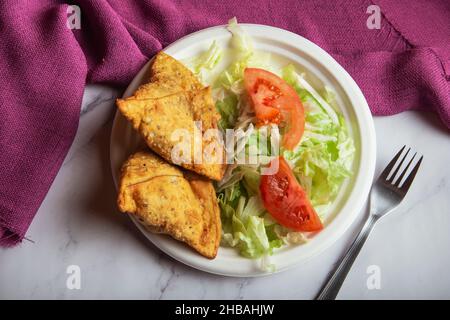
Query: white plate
x=321, y=70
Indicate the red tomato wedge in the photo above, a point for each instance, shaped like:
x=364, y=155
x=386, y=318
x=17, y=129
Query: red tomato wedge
x=286, y=200
x=275, y=101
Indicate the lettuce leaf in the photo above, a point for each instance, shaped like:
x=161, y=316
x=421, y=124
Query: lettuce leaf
x=228, y=110
x=229, y=83
x=243, y=224
x=207, y=61
x=324, y=157
x=239, y=40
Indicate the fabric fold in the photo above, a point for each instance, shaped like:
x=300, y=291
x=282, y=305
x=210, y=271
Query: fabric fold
x=396, y=82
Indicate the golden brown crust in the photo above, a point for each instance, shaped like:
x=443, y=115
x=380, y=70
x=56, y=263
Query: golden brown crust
x=205, y=192
x=174, y=100
x=164, y=197
x=167, y=69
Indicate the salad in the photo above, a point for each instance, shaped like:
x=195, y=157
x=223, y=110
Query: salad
x=259, y=212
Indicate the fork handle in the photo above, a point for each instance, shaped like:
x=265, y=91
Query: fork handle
x=334, y=283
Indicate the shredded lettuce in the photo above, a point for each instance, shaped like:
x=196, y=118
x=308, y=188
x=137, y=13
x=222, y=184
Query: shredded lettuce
x=206, y=61
x=243, y=223
x=231, y=79
x=323, y=159
x=228, y=110
x=321, y=162
x=240, y=39
x=229, y=83
x=302, y=86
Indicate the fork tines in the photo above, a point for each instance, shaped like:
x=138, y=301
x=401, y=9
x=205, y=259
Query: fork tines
x=392, y=174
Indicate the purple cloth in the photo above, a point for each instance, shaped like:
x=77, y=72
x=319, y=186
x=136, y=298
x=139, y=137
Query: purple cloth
x=44, y=67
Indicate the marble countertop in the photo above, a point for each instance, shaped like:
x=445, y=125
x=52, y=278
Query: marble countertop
x=78, y=224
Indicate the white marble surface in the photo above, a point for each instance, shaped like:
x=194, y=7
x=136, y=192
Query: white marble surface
x=78, y=224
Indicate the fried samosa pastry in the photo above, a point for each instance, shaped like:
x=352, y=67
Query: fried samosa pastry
x=176, y=102
x=164, y=198
x=169, y=75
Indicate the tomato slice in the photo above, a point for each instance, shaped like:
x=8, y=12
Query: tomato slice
x=286, y=200
x=275, y=101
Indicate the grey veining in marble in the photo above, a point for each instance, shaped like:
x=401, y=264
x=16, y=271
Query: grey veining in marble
x=78, y=224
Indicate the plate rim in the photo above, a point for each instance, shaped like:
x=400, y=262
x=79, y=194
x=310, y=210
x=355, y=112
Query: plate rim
x=354, y=93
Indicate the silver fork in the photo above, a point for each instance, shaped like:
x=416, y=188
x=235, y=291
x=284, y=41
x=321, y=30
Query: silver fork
x=386, y=194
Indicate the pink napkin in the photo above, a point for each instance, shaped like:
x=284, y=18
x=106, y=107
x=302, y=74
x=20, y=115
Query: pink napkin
x=44, y=66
